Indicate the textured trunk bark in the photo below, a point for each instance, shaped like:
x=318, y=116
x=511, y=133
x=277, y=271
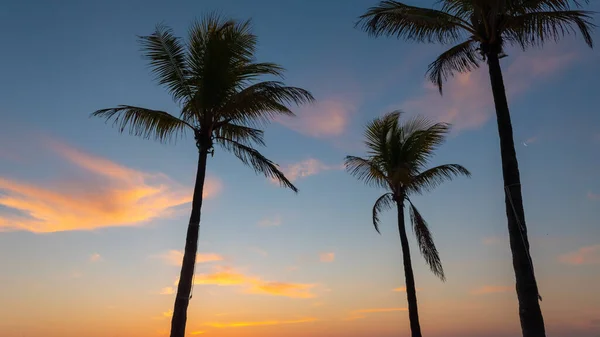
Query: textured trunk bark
x=179, y=319
x=411, y=292
x=530, y=313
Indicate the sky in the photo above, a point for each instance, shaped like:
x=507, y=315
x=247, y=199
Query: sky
x=92, y=222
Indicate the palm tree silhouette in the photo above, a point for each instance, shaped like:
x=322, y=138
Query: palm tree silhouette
x=213, y=77
x=397, y=158
x=482, y=29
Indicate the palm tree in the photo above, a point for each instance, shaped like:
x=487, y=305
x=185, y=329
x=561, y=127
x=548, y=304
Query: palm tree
x=397, y=159
x=482, y=29
x=213, y=77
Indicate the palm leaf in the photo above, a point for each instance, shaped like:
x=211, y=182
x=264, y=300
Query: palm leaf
x=241, y=134
x=261, y=102
x=146, y=123
x=392, y=18
x=168, y=61
x=425, y=242
x=460, y=58
x=384, y=202
x=257, y=161
x=535, y=28
x=367, y=171
x=433, y=177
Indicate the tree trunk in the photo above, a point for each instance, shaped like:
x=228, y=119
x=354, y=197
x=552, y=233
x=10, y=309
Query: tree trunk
x=532, y=321
x=184, y=288
x=411, y=292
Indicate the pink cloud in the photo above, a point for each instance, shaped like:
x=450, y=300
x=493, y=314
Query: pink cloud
x=327, y=257
x=583, y=256
x=271, y=221
x=490, y=289
x=593, y=196
x=467, y=102
x=307, y=168
x=327, y=118
x=175, y=257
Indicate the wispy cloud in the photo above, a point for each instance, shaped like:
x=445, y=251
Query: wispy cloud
x=325, y=118
x=493, y=240
x=95, y=257
x=362, y=313
x=468, y=103
x=227, y=276
x=259, y=251
x=307, y=168
x=491, y=289
x=200, y=332
x=270, y=221
x=175, y=257
x=260, y=323
x=593, y=196
x=99, y=193
x=167, y=291
x=327, y=257
x=583, y=256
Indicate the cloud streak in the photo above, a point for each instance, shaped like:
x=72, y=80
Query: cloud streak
x=362, y=313
x=175, y=257
x=491, y=289
x=583, y=256
x=260, y=323
x=270, y=221
x=227, y=276
x=99, y=193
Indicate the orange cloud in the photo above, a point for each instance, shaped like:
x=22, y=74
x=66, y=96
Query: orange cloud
x=582, y=256
x=327, y=257
x=175, y=257
x=260, y=323
x=99, y=193
x=197, y=332
x=403, y=289
x=226, y=276
x=292, y=290
x=467, y=102
x=272, y=221
x=484, y=290
x=95, y=257
x=307, y=168
x=325, y=118
x=167, y=291
x=362, y=313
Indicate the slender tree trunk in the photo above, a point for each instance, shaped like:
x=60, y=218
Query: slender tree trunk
x=411, y=292
x=532, y=321
x=184, y=288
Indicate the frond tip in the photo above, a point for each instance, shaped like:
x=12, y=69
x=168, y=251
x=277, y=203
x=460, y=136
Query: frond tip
x=425, y=242
x=257, y=161
x=146, y=123
x=384, y=202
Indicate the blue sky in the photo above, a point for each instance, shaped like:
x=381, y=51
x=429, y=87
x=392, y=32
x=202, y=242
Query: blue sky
x=66, y=59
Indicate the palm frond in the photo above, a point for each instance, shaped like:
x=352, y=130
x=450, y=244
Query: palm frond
x=261, y=102
x=460, y=58
x=421, y=139
x=528, y=6
x=251, y=157
x=392, y=18
x=459, y=8
x=536, y=28
x=425, y=242
x=378, y=132
x=146, y=123
x=383, y=203
x=433, y=177
x=241, y=134
x=367, y=171
x=168, y=61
